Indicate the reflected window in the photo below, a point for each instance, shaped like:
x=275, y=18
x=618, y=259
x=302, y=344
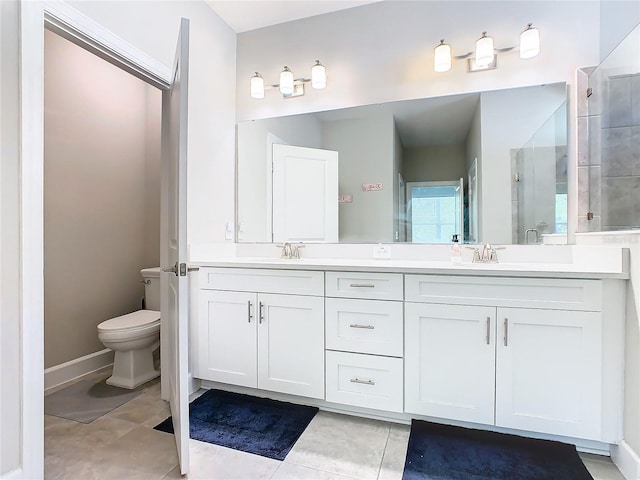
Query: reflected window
x=434, y=211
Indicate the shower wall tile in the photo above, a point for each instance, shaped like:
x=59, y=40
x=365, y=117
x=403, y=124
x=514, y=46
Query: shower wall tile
x=595, y=140
x=617, y=152
x=618, y=107
x=635, y=100
x=635, y=149
x=582, y=83
x=620, y=202
x=593, y=225
x=583, y=141
x=598, y=89
x=583, y=190
x=595, y=193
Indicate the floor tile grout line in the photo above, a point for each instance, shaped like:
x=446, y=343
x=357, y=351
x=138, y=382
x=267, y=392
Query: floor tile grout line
x=384, y=451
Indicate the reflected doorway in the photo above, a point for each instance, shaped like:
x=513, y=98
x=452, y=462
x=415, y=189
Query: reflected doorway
x=434, y=211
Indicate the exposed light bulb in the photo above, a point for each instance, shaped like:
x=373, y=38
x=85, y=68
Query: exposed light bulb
x=257, y=86
x=286, y=81
x=484, y=50
x=318, y=76
x=442, y=61
x=529, y=42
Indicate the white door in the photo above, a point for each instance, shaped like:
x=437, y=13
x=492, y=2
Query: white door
x=291, y=344
x=305, y=194
x=173, y=251
x=450, y=361
x=547, y=368
x=227, y=337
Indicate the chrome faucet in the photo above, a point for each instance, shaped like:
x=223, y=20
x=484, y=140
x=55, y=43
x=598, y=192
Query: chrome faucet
x=489, y=254
x=290, y=251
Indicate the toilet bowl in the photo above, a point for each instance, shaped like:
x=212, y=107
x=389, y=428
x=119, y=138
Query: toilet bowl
x=134, y=337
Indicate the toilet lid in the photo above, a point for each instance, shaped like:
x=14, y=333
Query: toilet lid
x=141, y=318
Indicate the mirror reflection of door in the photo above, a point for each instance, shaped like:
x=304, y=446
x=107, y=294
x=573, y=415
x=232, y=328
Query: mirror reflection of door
x=305, y=194
x=434, y=211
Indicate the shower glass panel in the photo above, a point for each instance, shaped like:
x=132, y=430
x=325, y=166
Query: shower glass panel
x=609, y=179
x=539, y=188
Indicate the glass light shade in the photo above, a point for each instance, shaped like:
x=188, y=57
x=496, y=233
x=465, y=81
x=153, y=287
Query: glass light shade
x=529, y=42
x=257, y=86
x=286, y=81
x=442, y=61
x=318, y=76
x=484, y=50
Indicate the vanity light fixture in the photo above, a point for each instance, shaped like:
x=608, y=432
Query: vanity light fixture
x=442, y=57
x=289, y=86
x=484, y=57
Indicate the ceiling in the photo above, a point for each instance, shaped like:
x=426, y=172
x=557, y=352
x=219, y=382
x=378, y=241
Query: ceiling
x=245, y=15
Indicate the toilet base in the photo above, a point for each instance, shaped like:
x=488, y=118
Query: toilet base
x=133, y=368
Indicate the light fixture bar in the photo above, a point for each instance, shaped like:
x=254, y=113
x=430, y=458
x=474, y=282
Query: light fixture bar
x=485, y=55
x=289, y=86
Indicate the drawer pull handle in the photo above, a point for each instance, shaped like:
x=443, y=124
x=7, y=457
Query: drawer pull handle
x=364, y=382
x=260, y=312
x=488, y=330
x=357, y=325
x=362, y=285
x=506, y=332
x=249, y=311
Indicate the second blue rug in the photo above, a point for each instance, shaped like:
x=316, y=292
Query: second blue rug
x=251, y=424
x=444, y=452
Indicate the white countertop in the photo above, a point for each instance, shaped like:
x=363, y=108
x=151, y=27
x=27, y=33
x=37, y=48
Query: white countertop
x=614, y=270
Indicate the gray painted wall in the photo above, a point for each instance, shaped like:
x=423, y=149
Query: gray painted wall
x=617, y=19
x=504, y=129
x=253, y=168
x=102, y=196
x=366, y=149
x=434, y=163
x=10, y=338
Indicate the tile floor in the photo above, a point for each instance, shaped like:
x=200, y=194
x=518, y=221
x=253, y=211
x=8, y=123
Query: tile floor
x=123, y=445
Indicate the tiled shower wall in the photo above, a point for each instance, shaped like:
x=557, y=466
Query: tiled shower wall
x=608, y=151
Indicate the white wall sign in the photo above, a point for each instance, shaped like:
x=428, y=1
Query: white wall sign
x=345, y=198
x=371, y=187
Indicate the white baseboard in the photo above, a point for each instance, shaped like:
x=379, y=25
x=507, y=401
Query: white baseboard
x=68, y=371
x=627, y=461
x=13, y=474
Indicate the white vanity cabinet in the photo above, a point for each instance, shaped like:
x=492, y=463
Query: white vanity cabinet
x=364, y=340
x=529, y=350
x=262, y=329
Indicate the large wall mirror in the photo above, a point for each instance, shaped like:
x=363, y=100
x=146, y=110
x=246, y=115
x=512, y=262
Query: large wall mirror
x=488, y=166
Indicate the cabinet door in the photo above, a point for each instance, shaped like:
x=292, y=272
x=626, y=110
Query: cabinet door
x=291, y=344
x=450, y=361
x=227, y=337
x=549, y=371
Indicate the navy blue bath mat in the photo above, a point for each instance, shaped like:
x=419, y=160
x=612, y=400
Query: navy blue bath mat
x=256, y=425
x=443, y=452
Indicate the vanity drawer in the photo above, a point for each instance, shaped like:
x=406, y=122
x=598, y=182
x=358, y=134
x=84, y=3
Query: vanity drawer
x=364, y=326
x=551, y=293
x=294, y=282
x=364, y=381
x=378, y=286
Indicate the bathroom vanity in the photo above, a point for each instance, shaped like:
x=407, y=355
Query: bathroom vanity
x=526, y=348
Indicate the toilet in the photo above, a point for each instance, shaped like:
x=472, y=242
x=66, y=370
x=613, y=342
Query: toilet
x=135, y=336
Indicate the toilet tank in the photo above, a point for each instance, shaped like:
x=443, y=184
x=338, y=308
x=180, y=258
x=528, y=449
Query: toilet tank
x=151, y=277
